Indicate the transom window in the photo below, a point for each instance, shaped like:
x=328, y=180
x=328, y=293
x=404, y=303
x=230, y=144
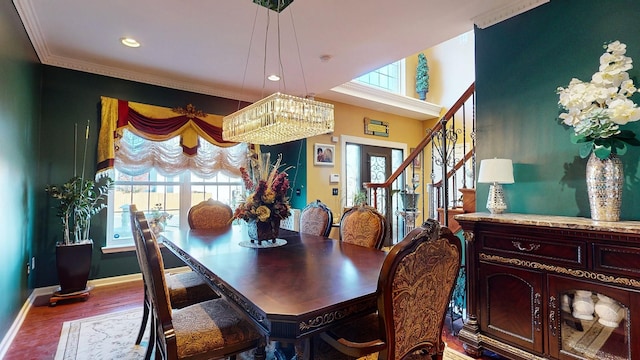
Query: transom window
x=389, y=77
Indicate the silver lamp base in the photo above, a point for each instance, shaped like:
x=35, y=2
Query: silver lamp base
x=495, y=202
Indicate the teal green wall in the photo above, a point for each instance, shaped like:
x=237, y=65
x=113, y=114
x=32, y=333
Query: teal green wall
x=294, y=154
x=519, y=64
x=70, y=97
x=19, y=114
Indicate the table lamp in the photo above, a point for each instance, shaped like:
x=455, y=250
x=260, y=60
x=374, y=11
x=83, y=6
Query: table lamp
x=496, y=172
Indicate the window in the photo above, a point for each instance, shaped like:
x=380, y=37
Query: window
x=155, y=175
x=174, y=195
x=389, y=77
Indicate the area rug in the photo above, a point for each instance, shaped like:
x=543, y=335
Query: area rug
x=112, y=336
x=109, y=336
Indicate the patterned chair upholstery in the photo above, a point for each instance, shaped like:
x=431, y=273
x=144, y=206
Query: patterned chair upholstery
x=414, y=289
x=316, y=219
x=210, y=329
x=185, y=288
x=210, y=214
x=363, y=225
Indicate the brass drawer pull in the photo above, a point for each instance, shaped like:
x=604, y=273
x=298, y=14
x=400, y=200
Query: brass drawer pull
x=531, y=247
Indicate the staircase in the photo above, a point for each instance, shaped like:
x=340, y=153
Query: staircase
x=444, y=184
x=449, y=148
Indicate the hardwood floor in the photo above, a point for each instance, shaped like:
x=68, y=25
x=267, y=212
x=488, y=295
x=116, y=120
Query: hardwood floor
x=39, y=334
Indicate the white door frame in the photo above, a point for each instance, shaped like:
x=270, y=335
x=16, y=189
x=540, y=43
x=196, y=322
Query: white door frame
x=344, y=139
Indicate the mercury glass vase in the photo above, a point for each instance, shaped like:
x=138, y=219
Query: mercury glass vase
x=605, y=180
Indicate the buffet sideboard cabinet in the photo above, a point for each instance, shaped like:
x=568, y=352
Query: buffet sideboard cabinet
x=551, y=287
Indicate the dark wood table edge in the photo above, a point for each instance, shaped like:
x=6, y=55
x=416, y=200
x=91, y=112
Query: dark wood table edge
x=282, y=328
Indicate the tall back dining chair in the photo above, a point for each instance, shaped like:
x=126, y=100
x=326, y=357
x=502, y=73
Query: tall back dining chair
x=414, y=289
x=210, y=214
x=210, y=329
x=185, y=288
x=363, y=225
x=146, y=312
x=316, y=219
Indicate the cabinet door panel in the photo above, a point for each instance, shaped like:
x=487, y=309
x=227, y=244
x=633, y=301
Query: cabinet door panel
x=593, y=331
x=511, y=305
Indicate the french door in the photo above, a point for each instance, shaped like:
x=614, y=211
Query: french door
x=371, y=164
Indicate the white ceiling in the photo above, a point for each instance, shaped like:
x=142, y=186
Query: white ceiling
x=203, y=45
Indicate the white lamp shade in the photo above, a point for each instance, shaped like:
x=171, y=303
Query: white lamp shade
x=496, y=171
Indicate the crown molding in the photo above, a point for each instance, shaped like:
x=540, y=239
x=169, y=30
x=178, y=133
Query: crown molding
x=141, y=77
x=33, y=28
x=515, y=8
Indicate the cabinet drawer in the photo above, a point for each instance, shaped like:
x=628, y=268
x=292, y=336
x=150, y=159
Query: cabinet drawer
x=616, y=259
x=565, y=253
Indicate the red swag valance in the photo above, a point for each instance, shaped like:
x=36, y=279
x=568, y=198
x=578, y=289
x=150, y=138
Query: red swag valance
x=154, y=123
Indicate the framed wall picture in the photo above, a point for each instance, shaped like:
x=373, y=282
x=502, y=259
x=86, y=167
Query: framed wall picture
x=416, y=161
x=324, y=154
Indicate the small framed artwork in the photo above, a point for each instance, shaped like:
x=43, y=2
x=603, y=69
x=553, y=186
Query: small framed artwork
x=324, y=154
x=416, y=161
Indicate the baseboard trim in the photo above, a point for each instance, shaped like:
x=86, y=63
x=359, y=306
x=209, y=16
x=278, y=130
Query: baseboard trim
x=46, y=291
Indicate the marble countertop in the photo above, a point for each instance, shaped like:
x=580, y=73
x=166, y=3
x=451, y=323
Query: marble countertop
x=567, y=222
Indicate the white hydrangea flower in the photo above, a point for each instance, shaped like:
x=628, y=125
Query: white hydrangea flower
x=597, y=108
x=622, y=111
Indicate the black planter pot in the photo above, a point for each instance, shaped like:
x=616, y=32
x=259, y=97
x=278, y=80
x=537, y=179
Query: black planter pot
x=73, y=263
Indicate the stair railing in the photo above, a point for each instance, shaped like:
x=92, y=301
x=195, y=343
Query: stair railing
x=450, y=146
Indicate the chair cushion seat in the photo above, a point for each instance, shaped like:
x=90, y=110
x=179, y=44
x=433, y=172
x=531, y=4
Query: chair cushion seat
x=187, y=289
x=211, y=326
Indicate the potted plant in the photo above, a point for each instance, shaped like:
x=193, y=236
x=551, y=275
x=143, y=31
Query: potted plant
x=422, y=77
x=78, y=200
x=360, y=198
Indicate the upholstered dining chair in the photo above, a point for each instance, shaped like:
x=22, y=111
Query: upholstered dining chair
x=185, y=288
x=414, y=289
x=210, y=329
x=210, y=214
x=363, y=225
x=316, y=219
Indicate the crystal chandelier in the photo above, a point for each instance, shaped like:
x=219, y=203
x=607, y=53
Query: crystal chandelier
x=278, y=118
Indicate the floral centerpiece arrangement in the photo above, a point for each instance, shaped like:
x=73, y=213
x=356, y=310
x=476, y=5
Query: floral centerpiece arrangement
x=266, y=202
x=597, y=109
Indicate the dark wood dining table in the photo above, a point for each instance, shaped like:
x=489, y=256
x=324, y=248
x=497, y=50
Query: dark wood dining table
x=290, y=292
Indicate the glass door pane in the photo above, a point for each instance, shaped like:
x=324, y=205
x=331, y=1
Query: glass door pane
x=593, y=320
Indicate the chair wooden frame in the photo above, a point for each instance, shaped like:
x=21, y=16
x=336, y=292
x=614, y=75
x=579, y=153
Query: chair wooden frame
x=163, y=334
x=184, y=292
x=381, y=224
x=314, y=208
x=440, y=247
x=147, y=310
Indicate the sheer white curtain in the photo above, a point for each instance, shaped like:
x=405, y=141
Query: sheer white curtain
x=136, y=155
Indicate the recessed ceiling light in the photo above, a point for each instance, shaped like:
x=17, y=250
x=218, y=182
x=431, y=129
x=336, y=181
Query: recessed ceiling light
x=273, y=77
x=130, y=42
